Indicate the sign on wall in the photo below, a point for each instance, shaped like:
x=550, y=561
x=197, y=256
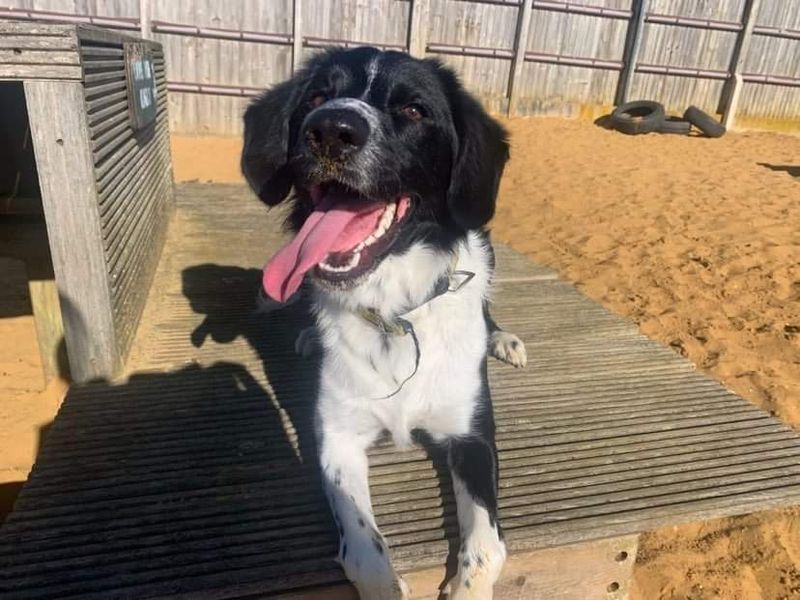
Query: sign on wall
x=141, y=78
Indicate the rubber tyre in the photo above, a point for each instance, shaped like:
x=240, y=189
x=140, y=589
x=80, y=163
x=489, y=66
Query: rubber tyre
x=676, y=126
x=704, y=122
x=635, y=118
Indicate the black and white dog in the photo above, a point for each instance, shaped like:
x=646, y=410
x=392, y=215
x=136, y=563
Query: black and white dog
x=395, y=170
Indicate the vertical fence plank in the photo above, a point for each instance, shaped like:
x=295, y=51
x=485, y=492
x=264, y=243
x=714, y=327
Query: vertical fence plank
x=520, y=47
x=145, y=12
x=633, y=40
x=418, y=23
x=297, y=34
x=733, y=87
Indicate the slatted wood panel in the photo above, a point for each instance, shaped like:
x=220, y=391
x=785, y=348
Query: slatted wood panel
x=43, y=51
x=134, y=178
x=196, y=478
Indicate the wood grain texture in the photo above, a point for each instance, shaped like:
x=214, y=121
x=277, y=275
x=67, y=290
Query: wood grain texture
x=53, y=43
x=195, y=476
x=33, y=29
x=60, y=137
x=39, y=71
x=418, y=28
x=36, y=50
x=597, y=570
x=49, y=327
x=520, y=48
x=19, y=56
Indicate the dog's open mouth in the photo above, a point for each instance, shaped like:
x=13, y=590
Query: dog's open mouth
x=344, y=238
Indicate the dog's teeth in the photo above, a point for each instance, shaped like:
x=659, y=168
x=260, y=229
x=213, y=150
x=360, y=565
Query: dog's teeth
x=353, y=261
x=354, y=258
x=388, y=215
x=383, y=226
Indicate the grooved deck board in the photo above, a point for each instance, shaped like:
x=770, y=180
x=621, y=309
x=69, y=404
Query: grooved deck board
x=195, y=474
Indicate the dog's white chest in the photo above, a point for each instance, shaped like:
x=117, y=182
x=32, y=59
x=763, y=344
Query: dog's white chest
x=371, y=381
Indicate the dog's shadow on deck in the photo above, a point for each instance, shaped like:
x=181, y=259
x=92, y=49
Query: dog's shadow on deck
x=168, y=483
x=226, y=296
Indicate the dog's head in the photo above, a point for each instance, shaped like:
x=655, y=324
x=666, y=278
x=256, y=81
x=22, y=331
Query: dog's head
x=382, y=150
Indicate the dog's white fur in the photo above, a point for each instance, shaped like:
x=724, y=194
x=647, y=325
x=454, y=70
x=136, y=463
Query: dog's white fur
x=361, y=368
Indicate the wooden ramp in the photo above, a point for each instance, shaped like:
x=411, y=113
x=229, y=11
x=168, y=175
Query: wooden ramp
x=195, y=477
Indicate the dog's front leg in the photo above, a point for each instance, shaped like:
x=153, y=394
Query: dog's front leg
x=363, y=552
x=473, y=466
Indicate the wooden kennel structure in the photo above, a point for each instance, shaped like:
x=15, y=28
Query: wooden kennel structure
x=92, y=104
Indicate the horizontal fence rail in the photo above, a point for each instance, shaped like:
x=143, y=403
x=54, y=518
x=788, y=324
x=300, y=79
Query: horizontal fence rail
x=221, y=34
x=489, y=60
x=10, y=12
x=582, y=9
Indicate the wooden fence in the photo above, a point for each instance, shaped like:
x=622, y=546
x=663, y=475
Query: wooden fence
x=521, y=57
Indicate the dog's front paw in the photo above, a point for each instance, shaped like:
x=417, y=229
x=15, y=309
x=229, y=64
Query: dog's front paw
x=478, y=569
x=366, y=563
x=307, y=343
x=508, y=348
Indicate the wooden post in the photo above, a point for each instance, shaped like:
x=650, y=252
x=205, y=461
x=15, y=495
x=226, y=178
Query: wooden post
x=729, y=102
x=633, y=40
x=145, y=9
x=418, y=22
x=520, y=47
x=46, y=313
x=61, y=142
x=297, y=34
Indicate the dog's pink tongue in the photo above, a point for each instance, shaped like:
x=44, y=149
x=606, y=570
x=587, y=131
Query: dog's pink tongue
x=284, y=272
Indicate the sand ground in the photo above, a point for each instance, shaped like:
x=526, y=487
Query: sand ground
x=27, y=406
x=696, y=240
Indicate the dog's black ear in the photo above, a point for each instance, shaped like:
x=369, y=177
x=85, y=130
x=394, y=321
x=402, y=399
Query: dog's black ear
x=478, y=165
x=267, y=126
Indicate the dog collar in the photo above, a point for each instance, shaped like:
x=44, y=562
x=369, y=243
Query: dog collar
x=450, y=282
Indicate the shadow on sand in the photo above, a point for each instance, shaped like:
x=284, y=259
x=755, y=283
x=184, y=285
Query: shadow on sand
x=791, y=170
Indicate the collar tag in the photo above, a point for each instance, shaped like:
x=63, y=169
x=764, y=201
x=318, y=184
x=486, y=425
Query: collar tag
x=396, y=328
x=458, y=279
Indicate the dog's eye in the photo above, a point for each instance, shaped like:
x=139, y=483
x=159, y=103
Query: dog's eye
x=318, y=99
x=413, y=111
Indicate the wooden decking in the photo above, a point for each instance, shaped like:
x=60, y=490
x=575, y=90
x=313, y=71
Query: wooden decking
x=195, y=477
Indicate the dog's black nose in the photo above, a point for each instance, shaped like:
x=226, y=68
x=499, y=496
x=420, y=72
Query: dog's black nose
x=335, y=133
